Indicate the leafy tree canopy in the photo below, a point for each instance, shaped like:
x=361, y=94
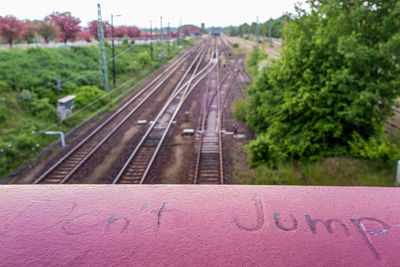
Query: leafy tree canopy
x=333, y=88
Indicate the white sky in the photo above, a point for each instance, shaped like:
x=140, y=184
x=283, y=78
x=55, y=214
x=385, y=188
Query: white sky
x=139, y=13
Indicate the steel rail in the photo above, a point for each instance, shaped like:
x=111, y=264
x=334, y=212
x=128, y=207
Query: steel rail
x=116, y=128
x=168, y=72
x=203, y=123
x=180, y=104
x=178, y=91
x=209, y=101
x=221, y=93
x=173, y=95
x=221, y=163
x=215, y=52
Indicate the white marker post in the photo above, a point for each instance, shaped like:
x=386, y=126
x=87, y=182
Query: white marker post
x=398, y=173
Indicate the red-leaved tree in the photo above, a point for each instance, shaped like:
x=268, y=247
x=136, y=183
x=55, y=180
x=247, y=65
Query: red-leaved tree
x=48, y=30
x=29, y=31
x=11, y=29
x=93, y=29
x=120, y=32
x=67, y=24
x=145, y=35
x=85, y=35
x=132, y=32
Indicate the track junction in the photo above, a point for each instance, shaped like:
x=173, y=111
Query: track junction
x=206, y=75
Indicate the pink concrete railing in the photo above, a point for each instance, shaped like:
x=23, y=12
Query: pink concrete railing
x=94, y=225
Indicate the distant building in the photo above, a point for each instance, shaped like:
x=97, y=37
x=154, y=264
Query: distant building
x=189, y=30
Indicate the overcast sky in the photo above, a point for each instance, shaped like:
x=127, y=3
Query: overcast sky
x=139, y=13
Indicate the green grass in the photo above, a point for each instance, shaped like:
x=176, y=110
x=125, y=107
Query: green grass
x=238, y=50
x=28, y=95
x=335, y=171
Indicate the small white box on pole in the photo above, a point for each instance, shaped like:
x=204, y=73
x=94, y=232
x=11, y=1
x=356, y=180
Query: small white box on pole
x=65, y=106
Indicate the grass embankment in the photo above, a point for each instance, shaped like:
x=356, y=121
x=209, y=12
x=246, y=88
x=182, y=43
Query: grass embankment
x=331, y=171
x=29, y=90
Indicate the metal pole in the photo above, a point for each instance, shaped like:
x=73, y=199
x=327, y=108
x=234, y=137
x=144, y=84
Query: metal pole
x=162, y=40
x=113, y=48
x=257, y=32
x=151, y=39
x=270, y=30
x=62, y=136
x=155, y=43
x=168, y=39
x=179, y=32
x=102, y=52
x=398, y=173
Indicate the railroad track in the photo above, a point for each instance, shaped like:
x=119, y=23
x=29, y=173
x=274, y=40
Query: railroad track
x=64, y=168
x=208, y=164
x=209, y=160
x=396, y=108
x=139, y=163
x=225, y=47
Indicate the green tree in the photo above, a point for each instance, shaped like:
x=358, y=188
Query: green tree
x=233, y=31
x=256, y=56
x=334, y=84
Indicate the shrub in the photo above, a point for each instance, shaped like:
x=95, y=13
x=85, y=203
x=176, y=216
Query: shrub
x=4, y=86
x=25, y=95
x=144, y=58
x=24, y=141
x=2, y=110
x=88, y=77
x=85, y=95
x=262, y=150
x=41, y=108
x=240, y=109
x=256, y=56
x=374, y=148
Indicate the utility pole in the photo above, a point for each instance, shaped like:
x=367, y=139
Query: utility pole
x=168, y=39
x=113, y=48
x=162, y=40
x=151, y=39
x=155, y=41
x=285, y=26
x=270, y=30
x=257, y=32
x=102, y=52
x=179, y=32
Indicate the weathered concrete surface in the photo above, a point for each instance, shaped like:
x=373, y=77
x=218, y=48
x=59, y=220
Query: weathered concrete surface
x=199, y=225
